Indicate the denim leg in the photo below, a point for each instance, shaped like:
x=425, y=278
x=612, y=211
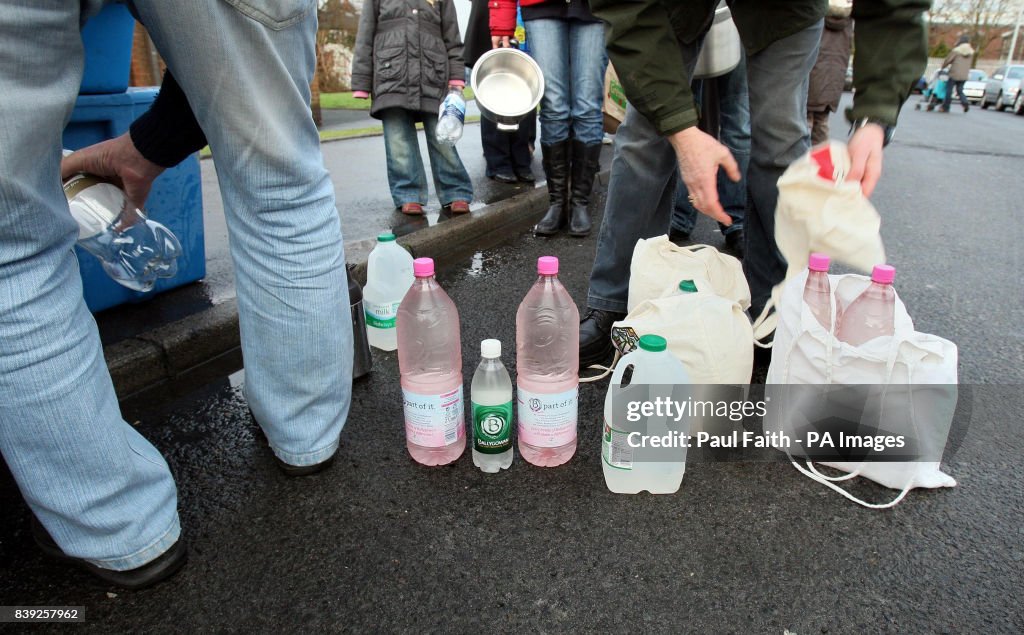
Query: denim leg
x=734, y=133
x=549, y=46
x=451, y=181
x=247, y=79
x=684, y=214
x=406, y=175
x=640, y=193
x=778, y=78
x=101, y=490
x=497, y=149
x=586, y=63
x=522, y=157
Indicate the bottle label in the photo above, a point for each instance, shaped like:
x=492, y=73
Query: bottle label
x=434, y=421
x=381, y=316
x=453, y=107
x=492, y=428
x=547, y=420
x=615, y=448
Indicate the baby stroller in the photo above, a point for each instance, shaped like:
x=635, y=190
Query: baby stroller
x=935, y=94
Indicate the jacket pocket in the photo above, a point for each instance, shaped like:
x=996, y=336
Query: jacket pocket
x=275, y=14
x=389, y=62
x=435, y=68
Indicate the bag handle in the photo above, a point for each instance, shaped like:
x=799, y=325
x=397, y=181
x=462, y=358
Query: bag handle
x=814, y=475
x=606, y=370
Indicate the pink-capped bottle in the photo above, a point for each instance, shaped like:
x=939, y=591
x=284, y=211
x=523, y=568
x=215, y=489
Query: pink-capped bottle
x=872, y=314
x=818, y=289
x=430, y=362
x=547, y=369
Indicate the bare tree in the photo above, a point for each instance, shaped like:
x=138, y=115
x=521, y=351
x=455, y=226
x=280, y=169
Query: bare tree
x=983, y=21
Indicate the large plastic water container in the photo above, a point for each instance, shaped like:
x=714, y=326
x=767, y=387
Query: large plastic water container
x=107, y=38
x=175, y=201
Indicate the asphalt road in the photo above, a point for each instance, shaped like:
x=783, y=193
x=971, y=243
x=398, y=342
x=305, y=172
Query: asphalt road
x=381, y=544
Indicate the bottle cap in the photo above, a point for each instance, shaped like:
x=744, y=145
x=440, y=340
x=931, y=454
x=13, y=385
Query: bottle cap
x=490, y=349
x=883, y=274
x=547, y=265
x=819, y=262
x=385, y=237
x=687, y=286
x=653, y=343
x=423, y=267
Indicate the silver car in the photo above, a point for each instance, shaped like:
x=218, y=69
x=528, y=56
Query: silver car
x=1001, y=89
x=974, y=87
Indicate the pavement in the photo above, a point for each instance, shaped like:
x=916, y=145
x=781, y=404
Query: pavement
x=379, y=543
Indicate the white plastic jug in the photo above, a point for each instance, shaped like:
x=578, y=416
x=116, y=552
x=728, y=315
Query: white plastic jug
x=388, y=278
x=628, y=468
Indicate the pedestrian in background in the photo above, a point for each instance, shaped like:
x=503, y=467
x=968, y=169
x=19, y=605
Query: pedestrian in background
x=508, y=155
x=567, y=41
x=959, y=64
x=408, y=55
x=829, y=73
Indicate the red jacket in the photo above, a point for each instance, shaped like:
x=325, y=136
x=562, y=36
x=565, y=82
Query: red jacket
x=503, y=15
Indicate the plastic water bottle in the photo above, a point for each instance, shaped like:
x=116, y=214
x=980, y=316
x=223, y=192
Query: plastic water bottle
x=133, y=250
x=388, y=278
x=818, y=290
x=491, y=398
x=872, y=314
x=548, y=364
x=626, y=469
x=430, y=362
x=451, y=116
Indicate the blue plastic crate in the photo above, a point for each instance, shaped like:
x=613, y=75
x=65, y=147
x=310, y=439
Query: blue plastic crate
x=176, y=198
x=107, y=38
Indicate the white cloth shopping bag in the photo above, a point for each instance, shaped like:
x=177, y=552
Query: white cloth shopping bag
x=805, y=352
x=658, y=265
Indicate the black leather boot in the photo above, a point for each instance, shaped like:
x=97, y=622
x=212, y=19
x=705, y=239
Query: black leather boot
x=595, y=336
x=556, y=168
x=586, y=160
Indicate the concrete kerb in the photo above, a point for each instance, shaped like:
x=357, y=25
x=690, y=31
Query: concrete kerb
x=165, y=353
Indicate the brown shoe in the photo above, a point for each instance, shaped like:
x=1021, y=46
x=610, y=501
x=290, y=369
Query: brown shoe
x=412, y=209
x=459, y=207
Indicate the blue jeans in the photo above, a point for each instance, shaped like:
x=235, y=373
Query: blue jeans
x=406, y=176
x=101, y=490
x=571, y=54
x=644, y=174
x=734, y=133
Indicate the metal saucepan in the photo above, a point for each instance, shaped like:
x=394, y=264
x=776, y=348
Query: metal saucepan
x=508, y=86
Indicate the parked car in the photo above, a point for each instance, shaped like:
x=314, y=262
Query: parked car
x=974, y=87
x=1018, y=104
x=1001, y=89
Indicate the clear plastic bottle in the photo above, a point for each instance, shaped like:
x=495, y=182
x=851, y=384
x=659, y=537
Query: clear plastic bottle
x=491, y=399
x=133, y=250
x=818, y=289
x=430, y=362
x=872, y=313
x=388, y=278
x=451, y=116
x=547, y=365
x=626, y=469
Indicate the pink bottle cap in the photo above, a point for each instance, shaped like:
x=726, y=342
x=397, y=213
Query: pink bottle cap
x=819, y=262
x=423, y=267
x=547, y=265
x=883, y=274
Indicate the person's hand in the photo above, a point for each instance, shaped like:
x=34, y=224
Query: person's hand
x=699, y=156
x=865, y=147
x=118, y=160
x=500, y=42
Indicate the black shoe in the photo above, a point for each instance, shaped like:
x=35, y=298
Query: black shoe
x=595, y=336
x=525, y=176
x=504, y=177
x=678, y=236
x=288, y=468
x=734, y=243
x=966, y=107
x=164, y=566
x=556, y=169
x=586, y=160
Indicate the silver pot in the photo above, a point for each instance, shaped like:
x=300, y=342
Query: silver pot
x=508, y=86
x=722, y=48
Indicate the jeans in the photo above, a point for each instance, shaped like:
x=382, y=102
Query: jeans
x=508, y=152
x=101, y=490
x=734, y=133
x=644, y=174
x=958, y=86
x=406, y=176
x=571, y=54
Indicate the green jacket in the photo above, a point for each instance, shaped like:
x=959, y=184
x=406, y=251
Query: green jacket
x=644, y=39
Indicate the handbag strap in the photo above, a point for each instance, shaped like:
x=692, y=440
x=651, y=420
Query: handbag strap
x=605, y=370
x=816, y=476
